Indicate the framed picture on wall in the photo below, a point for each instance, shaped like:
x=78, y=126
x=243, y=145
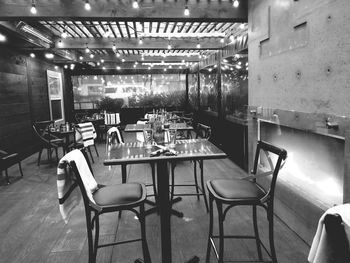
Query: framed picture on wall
x=54, y=86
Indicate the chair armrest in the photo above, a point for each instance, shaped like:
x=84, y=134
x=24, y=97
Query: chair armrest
x=9, y=156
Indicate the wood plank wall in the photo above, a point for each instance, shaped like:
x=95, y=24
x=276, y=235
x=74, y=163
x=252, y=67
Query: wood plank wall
x=23, y=99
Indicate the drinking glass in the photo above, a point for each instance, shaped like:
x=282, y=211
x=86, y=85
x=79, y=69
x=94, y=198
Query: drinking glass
x=172, y=138
x=148, y=136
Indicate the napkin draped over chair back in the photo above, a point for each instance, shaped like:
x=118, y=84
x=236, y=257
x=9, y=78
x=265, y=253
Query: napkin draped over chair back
x=85, y=133
x=68, y=193
x=112, y=118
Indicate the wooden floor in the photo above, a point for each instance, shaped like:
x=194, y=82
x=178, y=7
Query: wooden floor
x=31, y=229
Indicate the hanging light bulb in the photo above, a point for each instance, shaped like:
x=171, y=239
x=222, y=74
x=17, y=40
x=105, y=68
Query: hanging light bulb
x=107, y=33
x=87, y=50
x=32, y=55
x=142, y=58
x=198, y=45
x=140, y=41
x=118, y=67
x=102, y=61
x=81, y=58
x=117, y=55
x=135, y=4
x=114, y=47
x=98, y=63
x=91, y=55
x=222, y=40
x=87, y=5
x=169, y=46
x=123, y=60
x=235, y=3
x=64, y=34
x=33, y=8
x=186, y=11
x=60, y=44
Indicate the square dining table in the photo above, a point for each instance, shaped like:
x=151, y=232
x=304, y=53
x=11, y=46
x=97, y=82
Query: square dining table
x=137, y=152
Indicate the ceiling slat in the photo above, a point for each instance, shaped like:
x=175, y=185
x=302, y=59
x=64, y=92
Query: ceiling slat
x=71, y=28
x=120, y=30
x=127, y=29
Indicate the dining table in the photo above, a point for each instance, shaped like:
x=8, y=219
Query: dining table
x=138, y=152
x=181, y=126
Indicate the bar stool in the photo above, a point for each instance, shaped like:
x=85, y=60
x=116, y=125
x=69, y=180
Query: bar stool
x=228, y=193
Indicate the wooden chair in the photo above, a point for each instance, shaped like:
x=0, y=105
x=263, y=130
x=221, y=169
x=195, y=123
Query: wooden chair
x=203, y=132
x=228, y=193
x=108, y=199
x=47, y=140
x=7, y=160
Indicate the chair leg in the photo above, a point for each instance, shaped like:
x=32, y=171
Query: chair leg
x=211, y=218
x=256, y=231
x=195, y=177
x=39, y=157
x=271, y=236
x=20, y=168
x=172, y=181
x=56, y=151
x=97, y=233
x=153, y=168
x=89, y=234
x=96, y=151
x=7, y=177
x=202, y=183
x=221, y=232
x=92, y=159
x=146, y=255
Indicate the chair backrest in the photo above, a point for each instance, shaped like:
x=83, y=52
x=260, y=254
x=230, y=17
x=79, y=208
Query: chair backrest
x=114, y=135
x=270, y=164
x=203, y=131
x=85, y=133
x=42, y=132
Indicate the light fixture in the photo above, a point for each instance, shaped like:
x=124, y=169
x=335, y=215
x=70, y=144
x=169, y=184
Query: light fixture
x=222, y=40
x=140, y=41
x=81, y=58
x=32, y=55
x=2, y=38
x=87, y=5
x=134, y=65
x=235, y=3
x=241, y=26
x=60, y=44
x=117, y=55
x=30, y=30
x=107, y=33
x=64, y=34
x=169, y=46
x=149, y=68
x=65, y=66
x=98, y=63
x=95, y=77
x=33, y=8
x=142, y=58
x=102, y=61
x=135, y=4
x=91, y=55
x=198, y=45
x=183, y=61
x=104, y=68
x=118, y=67
x=164, y=69
x=56, y=67
x=87, y=50
x=123, y=60
x=49, y=55
x=186, y=11
x=114, y=47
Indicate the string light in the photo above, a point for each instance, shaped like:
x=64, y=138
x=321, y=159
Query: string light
x=222, y=40
x=241, y=26
x=2, y=38
x=186, y=11
x=140, y=41
x=60, y=44
x=114, y=47
x=81, y=58
x=135, y=4
x=235, y=3
x=91, y=55
x=117, y=55
x=198, y=45
x=169, y=46
x=32, y=55
x=87, y=50
x=64, y=34
x=118, y=67
x=123, y=60
x=87, y=5
x=33, y=8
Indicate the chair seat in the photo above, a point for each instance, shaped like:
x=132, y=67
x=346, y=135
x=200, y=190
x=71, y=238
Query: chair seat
x=236, y=189
x=120, y=194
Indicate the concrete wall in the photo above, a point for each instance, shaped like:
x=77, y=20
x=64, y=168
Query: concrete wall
x=299, y=55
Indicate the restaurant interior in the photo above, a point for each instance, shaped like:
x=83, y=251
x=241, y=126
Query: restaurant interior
x=175, y=131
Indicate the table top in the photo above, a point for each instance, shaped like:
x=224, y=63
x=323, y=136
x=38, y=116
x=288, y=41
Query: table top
x=140, y=127
x=136, y=152
x=62, y=132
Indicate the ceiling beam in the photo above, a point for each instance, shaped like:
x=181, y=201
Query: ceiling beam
x=132, y=43
x=121, y=10
x=133, y=58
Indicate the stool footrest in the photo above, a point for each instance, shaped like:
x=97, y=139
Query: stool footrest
x=119, y=243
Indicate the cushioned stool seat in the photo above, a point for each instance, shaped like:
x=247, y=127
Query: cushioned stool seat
x=236, y=189
x=122, y=194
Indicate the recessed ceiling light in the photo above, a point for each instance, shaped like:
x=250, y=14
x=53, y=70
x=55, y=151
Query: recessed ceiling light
x=2, y=38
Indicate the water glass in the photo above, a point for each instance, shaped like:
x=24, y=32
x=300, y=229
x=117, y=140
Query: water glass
x=172, y=138
x=148, y=136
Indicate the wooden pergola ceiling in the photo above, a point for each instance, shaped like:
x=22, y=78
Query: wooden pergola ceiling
x=115, y=32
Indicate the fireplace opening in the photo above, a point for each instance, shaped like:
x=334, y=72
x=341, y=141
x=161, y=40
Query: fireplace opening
x=315, y=164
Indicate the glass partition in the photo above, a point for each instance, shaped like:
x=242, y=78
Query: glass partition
x=193, y=91
x=208, y=90
x=234, y=86
x=153, y=90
